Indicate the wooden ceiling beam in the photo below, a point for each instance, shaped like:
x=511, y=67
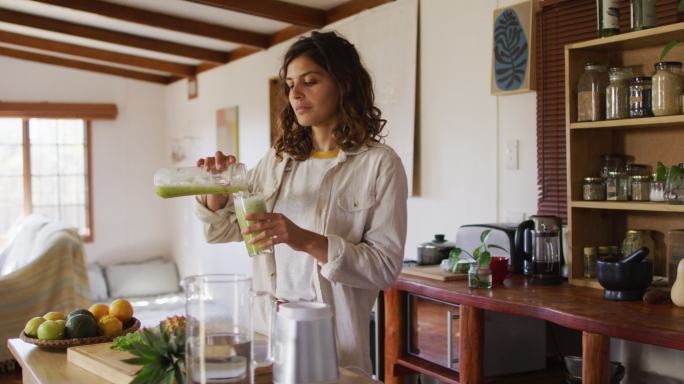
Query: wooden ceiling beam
x=342, y=11
x=32, y=56
x=120, y=38
x=98, y=54
x=161, y=20
x=272, y=9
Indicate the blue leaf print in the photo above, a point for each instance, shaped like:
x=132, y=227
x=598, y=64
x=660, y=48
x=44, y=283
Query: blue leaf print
x=510, y=51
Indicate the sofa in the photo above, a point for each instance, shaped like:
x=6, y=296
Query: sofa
x=152, y=286
x=41, y=270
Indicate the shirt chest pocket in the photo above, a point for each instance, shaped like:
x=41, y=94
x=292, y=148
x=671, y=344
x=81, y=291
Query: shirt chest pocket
x=351, y=214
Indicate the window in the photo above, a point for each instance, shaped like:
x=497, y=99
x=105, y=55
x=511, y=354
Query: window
x=45, y=169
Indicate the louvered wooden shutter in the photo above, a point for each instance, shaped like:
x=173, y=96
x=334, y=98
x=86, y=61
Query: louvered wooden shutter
x=561, y=22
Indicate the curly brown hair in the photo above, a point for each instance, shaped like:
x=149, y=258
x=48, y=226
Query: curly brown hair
x=359, y=120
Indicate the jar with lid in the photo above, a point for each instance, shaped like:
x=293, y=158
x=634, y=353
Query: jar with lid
x=590, y=257
x=635, y=170
x=667, y=88
x=616, y=186
x=617, y=93
x=594, y=189
x=640, y=97
x=641, y=187
x=591, y=93
x=613, y=162
x=605, y=251
x=643, y=14
x=637, y=238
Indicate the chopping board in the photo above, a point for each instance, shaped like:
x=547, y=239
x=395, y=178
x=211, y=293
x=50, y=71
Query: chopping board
x=107, y=363
x=433, y=272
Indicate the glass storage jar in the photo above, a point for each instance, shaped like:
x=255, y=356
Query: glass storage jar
x=616, y=186
x=590, y=257
x=591, y=92
x=635, y=170
x=637, y=238
x=641, y=187
x=643, y=14
x=617, y=93
x=594, y=189
x=640, y=97
x=613, y=162
x=667, y=88
x=657, y=191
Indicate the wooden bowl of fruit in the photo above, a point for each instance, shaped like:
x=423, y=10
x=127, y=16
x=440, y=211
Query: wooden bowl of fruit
x=98, y=324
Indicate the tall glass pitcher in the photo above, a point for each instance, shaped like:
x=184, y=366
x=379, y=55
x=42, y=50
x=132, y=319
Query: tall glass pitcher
x=221, y=343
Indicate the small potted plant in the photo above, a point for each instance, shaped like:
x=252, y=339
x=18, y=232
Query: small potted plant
x=479, y=274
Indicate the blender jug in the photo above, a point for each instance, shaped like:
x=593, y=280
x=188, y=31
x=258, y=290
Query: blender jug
x=221, y=343
x=545, y=257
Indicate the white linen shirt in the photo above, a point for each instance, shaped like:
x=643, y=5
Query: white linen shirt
x=361, y=209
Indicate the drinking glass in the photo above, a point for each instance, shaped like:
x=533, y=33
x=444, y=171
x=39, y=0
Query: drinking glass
x=248, y=203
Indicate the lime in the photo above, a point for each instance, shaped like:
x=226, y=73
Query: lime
x=54, y=316
x=31, y=328
x=51, y=330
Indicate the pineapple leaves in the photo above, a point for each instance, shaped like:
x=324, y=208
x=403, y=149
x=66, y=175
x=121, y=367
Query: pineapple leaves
x=161, y=353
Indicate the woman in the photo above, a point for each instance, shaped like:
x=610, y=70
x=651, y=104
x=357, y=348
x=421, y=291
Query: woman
x=336, y=196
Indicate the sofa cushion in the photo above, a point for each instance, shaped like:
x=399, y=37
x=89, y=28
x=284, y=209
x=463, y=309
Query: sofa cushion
x=151, y=277
x=98, y=284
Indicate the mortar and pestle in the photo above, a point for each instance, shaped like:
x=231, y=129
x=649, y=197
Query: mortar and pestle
x=627, y=278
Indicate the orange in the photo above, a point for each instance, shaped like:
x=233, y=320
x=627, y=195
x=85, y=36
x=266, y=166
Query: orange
x=98, y=310
x=121, y=309
x=109, y=325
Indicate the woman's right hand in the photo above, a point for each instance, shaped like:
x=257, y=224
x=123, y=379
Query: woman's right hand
x=214, y=164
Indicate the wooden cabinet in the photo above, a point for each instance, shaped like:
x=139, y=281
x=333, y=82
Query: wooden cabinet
x=433, y=330
x=648, y=140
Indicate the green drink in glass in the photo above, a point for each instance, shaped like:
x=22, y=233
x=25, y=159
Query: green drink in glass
x=245, y=204
x=186, y=181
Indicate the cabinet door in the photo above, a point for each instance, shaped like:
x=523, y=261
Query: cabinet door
x=433, y=330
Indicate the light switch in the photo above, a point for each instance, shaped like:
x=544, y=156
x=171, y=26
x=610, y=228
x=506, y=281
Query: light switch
x=511, y=154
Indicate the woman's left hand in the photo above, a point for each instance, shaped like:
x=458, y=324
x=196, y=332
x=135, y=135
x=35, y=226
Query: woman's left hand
x=276, y=228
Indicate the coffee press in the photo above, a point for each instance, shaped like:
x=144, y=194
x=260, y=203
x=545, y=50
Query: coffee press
x=542, y=249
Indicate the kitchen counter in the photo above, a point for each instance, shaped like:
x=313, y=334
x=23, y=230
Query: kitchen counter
x=51, y=367
x=574, y=307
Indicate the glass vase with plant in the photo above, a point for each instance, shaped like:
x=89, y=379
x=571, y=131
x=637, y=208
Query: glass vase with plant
x=479, y=274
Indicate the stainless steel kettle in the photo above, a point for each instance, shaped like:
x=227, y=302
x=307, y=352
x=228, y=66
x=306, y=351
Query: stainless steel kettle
x=304, y=350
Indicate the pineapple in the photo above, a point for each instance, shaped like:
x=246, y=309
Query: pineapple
x=161, y=352
x=173, y=323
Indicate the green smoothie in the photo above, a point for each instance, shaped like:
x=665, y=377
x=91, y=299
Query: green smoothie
x=246, y=205
x=167, y=191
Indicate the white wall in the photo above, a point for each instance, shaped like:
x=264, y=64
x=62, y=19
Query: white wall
x=130, y=222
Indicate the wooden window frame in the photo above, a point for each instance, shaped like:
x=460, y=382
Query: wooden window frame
x=81, y=111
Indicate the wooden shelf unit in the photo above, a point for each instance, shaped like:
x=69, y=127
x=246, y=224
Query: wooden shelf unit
x=648, y=140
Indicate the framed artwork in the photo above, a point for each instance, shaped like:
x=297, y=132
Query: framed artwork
x=227, y=131
x=513, y=48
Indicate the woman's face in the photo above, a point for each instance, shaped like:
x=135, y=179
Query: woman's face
x=312, y=93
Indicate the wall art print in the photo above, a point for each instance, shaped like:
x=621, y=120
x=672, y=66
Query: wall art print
x=513, y=48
